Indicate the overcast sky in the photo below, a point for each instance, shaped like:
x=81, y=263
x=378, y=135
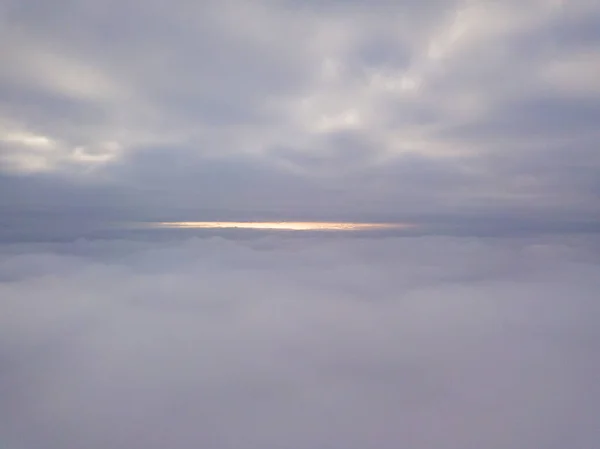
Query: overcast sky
x=477, y=121
x=433, y=110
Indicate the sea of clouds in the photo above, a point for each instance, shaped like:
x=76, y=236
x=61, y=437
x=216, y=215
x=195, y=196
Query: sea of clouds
x=321, y=342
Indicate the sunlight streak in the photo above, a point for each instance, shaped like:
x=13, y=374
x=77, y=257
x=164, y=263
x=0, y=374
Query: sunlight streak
x=284, y=225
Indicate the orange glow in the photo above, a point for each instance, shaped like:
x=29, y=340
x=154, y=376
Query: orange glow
x=283, y=225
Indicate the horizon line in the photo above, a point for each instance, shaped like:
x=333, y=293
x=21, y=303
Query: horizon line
x=281, y=225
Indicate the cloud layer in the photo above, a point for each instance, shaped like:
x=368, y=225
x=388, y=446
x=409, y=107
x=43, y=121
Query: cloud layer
x=174, y=110
x=300, y=343
x=467, y=118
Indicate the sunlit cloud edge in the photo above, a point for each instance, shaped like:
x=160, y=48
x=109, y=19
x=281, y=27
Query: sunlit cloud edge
x=280, y=225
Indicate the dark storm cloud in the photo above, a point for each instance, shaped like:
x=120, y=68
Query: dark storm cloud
x=300, y=343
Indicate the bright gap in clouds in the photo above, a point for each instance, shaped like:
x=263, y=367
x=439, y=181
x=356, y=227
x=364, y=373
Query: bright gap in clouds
x=284, y=225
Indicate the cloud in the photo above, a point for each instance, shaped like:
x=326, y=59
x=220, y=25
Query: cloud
x=282, y=342
x=467, y=118
x=303, y=108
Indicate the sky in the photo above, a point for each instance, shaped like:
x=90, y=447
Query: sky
x=458, y=113
x=429, y=276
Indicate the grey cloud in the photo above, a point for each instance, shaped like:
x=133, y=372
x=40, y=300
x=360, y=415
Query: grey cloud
x=550, y=117
x=499, y=196
x=465, y=120
x=334, y=153
x=225, y=107
x=576, y=31
x=161, y=69
x=340, y=343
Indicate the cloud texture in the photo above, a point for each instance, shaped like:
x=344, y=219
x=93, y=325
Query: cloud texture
x=300, y=343
x=325, y=109
x=475, y=120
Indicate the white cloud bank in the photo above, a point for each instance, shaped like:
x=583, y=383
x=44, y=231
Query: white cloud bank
x=280, y=342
